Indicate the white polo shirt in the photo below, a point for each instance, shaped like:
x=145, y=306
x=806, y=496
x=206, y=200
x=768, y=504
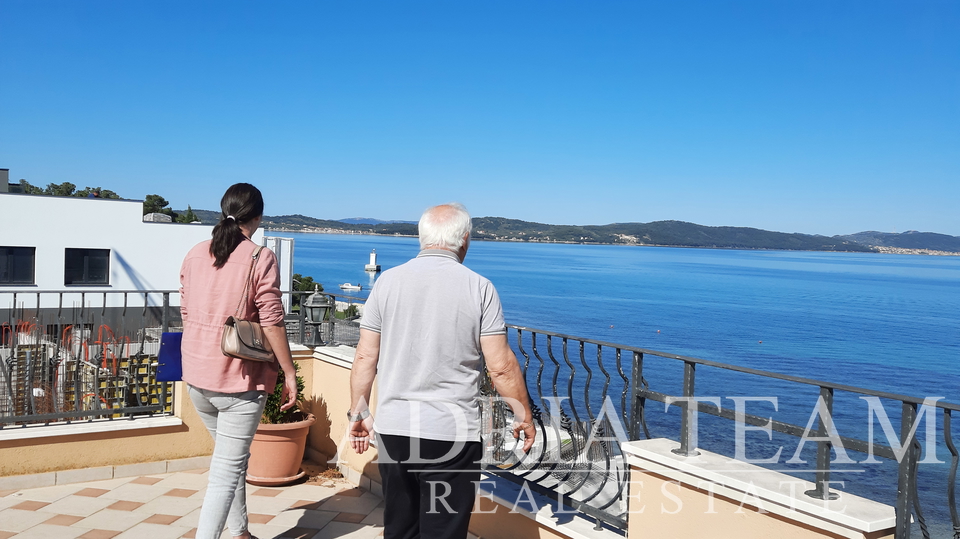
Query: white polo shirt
x=430, y=313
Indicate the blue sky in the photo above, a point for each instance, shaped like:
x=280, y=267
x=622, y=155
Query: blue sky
x=820, y=117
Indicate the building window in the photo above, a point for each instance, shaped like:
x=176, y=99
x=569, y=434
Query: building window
x=87, y=266
x=17, y=265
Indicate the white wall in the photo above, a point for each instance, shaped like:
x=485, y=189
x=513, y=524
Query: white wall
x=143, y=256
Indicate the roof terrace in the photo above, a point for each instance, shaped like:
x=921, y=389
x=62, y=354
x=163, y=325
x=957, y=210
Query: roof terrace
x=631, y=441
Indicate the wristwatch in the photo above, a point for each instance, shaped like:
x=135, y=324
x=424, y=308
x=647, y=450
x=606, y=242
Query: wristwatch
x=358, y=417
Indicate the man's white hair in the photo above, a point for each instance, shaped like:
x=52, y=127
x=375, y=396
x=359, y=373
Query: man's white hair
x=444, y=226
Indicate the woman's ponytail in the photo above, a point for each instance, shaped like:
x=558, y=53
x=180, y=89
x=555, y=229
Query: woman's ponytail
x=241, y=203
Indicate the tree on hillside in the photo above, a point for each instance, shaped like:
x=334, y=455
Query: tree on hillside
x=65, y=189
x=157, y=204
x=188, y=216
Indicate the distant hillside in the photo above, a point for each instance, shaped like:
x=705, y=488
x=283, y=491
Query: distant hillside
x=908, y=240
x=372, y=221
x=670, y=233
x=667, y=233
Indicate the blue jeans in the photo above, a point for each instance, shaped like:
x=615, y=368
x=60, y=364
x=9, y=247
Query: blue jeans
x=232, y=420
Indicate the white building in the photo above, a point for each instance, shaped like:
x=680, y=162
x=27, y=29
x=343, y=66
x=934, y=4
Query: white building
x=97, y=245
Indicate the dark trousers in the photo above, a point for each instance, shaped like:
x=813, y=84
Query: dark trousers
x=423, y=495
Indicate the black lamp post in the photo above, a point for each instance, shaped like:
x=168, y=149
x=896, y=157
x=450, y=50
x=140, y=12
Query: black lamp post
x=316, y=307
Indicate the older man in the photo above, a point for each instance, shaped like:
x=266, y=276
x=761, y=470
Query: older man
x=426, y=327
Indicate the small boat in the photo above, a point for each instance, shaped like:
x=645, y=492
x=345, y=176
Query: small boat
x=350, y=286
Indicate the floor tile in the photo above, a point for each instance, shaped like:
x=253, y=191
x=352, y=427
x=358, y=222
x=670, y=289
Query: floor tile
x=183, y=480
x=124, y=505
x=307, y=492
x=99, y=534
x=108, y=484
x=346, y=530
x=47, y=494
x=47, y=531
x=181, y=493
x=351, y=504
x=301, y=518
x=5, y=493
x=190, y=520
x=162, y=519
x=375, y=518
x=192, y=534
x=63, y=520
x=147, y=480
x=356, y=492
x=30, y=505
x=91, y=492
x=110, y=519
x=298, y=533
x=267, y=506
x=306, y=504
x=153, y=531
x=80, y=506
x=15, y=520
x=354, y=518
x=9, y=501
x=170, y=506
x=136, y=493
x=256, y=518
x=6, y=535
x=265, y=492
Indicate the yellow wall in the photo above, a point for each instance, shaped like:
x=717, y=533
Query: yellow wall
x=328, y=388
x=48, y=454
x=673, y=509
x=502, y=524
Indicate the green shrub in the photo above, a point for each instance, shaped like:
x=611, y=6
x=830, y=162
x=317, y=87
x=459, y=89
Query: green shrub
x=272, y=412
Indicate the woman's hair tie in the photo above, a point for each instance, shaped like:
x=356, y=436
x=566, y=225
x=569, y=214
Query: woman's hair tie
x=231, y=217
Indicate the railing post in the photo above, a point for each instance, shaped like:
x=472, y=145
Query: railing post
x=302, y=314
x=905, y=478
x=689, y=377
x=165, y=316
x=164, y=327
x=636, y=379
x=822, y=491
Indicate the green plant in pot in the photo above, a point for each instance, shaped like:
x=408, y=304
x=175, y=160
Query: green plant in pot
x=272, y=414
x=278, y=446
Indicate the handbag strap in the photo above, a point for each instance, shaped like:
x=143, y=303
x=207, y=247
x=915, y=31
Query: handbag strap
x=249, y=282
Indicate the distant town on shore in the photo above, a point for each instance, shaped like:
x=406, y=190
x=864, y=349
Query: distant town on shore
x=658, y=233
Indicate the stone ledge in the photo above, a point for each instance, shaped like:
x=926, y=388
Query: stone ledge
x=84, y=475
x=87, y=427
x=341, y=355
x=767, y=490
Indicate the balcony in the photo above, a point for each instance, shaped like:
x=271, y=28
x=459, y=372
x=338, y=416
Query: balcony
x=620, y=429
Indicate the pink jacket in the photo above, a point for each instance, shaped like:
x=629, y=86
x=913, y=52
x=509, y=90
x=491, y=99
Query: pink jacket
x=207, y=297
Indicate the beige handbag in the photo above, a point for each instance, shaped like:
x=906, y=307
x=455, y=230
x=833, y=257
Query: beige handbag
x=244, y=339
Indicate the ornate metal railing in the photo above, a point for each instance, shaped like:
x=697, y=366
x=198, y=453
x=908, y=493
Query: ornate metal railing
x=70, y=356
x=588, y=396
x=821, y=398
x=580, y=392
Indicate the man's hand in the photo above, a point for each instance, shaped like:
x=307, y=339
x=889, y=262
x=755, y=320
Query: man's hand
x=360, y=433
x=529, y=434
x=508, y=380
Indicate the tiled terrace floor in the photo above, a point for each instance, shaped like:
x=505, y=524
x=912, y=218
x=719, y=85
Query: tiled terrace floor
x=167, y=506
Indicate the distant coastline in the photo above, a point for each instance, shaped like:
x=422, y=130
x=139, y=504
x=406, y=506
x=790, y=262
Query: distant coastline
x=653, y=234
x=327, y=230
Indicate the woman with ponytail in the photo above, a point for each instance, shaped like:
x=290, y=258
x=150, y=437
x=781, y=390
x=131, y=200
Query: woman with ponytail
x=229, y=393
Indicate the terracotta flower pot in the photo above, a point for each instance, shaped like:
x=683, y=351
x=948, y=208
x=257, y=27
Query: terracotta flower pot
x=277, y=451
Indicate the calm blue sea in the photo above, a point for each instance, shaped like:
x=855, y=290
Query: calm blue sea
x=889, y=322
x=883, y=322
